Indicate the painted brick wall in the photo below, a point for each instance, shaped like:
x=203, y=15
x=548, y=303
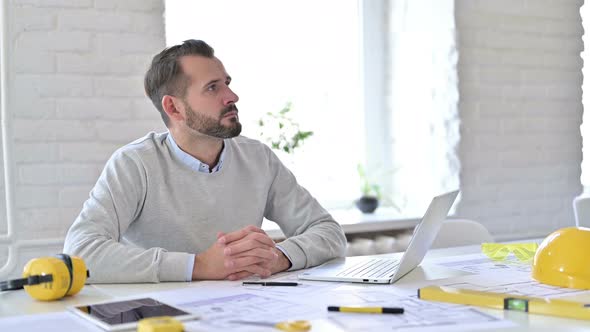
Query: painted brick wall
x=520, y=74
x=76, y=69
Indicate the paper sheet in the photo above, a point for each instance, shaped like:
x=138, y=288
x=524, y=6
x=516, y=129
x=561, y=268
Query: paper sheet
x=480, y=263
x=221, y=312
x=220, y=304
x=419, y=314
x=525, y=288
x=304, y=288
x=510, y=276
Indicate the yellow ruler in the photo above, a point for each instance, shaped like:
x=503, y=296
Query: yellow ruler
x=533, y=305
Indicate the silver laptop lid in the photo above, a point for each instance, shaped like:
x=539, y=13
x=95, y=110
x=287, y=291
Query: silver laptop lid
x=337, y=269
x=425, y=233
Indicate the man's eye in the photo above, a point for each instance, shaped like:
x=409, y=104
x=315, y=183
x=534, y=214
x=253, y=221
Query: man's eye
x=212, y=87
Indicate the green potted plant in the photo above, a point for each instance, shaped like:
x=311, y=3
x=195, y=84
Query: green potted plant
x=281, y=132
x=370, y=191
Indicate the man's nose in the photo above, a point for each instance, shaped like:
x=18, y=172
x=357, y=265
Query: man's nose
x=231, y=97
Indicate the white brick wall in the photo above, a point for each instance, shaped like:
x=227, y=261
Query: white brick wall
x=521, y=108
x=76, y=69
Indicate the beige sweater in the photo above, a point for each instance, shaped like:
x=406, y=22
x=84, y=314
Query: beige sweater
x=148, y=211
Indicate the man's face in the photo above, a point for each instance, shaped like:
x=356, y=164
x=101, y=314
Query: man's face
x=214, y=127
x=209, y=103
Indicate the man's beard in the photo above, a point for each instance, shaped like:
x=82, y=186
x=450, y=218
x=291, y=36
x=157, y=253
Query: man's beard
x=211, y=126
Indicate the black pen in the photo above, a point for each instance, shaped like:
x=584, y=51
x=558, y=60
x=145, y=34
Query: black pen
x=269, y=283
x=368, y=310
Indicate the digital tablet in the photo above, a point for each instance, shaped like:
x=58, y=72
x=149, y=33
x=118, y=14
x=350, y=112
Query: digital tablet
x=124, y=315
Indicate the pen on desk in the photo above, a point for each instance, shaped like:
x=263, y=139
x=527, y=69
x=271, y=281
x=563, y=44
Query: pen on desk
x=269, y=283
x=368, y=310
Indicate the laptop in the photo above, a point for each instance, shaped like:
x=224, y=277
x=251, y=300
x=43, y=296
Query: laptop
x=381, y=269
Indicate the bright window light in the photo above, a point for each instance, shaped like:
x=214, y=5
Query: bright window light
x=305, y=52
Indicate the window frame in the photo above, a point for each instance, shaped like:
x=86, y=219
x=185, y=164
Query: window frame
x=374, y=27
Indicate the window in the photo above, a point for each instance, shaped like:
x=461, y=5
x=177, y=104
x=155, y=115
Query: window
x=423, y=101
x=304, y=52
x=374, y=80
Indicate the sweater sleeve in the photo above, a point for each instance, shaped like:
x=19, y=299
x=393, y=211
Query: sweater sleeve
x=114, y=203
x=313, y=236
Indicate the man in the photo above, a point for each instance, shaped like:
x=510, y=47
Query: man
x=188, y=204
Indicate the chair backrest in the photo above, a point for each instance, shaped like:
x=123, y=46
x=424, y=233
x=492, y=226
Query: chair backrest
x=582, y=210
x=461, y=232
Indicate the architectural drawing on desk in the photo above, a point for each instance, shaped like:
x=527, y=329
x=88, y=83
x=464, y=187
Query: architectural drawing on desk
x=524, y=288
x=299, y=290
x=510, y=276
x=418, y=314
x=220, y=312
x=308, y=287
x=480, y=263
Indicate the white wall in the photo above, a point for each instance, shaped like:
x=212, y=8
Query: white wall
x=521, y=109
x=76, y=94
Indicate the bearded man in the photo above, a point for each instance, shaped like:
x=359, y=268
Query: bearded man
x=187, y=204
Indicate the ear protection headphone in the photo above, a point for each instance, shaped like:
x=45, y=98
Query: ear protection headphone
x=50, y=278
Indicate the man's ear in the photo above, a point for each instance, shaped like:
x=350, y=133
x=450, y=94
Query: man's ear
x=173, y=107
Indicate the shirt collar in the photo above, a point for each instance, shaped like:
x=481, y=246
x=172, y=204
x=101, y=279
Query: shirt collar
x=192, y=162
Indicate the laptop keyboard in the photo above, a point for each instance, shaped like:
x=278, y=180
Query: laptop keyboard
x=373, y=268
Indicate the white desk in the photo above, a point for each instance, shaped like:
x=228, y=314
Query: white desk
x=18, y=302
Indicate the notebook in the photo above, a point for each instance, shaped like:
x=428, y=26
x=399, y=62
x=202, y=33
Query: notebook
x=382, y=269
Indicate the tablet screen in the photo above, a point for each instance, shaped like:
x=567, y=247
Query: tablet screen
x=130, y=311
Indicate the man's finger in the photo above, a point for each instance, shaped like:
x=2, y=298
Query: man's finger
x=251, y=241
x=258, y=269
x=239, y=275
x=238, y=264
x=267, y=254
x=239, y=234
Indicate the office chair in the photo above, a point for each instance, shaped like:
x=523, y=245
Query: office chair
x=582, y=210
x=461, y=232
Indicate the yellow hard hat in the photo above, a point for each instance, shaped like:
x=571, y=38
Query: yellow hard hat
x=563, y=259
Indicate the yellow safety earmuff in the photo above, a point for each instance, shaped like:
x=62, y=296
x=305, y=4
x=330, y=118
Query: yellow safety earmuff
x=50, y=278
